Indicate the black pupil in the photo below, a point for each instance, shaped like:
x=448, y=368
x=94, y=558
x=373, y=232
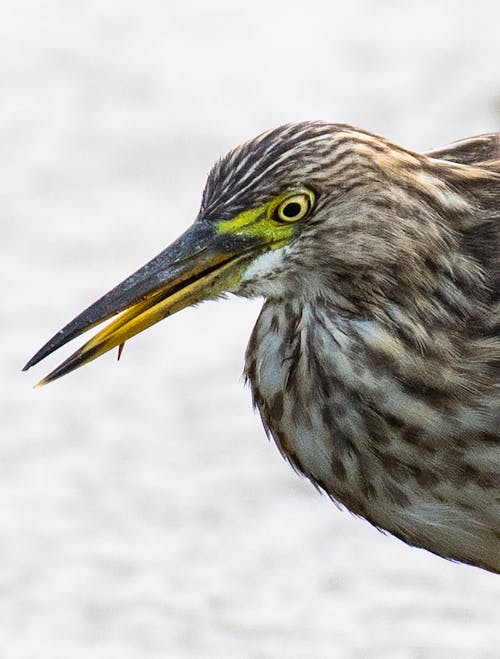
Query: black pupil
x=292, y=209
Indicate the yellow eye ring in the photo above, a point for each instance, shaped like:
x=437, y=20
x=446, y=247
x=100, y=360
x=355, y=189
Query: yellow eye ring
x=294, y=208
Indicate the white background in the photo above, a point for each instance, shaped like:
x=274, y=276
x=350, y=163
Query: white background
x=143, y=513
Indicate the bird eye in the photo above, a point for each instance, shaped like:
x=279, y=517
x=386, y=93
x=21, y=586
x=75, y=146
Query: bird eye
x=294, y=208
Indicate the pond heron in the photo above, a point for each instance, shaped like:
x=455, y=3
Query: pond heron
x=375, y=361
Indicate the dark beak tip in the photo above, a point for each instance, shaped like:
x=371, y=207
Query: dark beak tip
x=35, y=359
x=31, y=362
x=28, y=365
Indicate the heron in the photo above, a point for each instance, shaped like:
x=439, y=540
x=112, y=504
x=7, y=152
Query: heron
x=375, y=360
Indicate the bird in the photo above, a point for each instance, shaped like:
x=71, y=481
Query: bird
x=375, y=360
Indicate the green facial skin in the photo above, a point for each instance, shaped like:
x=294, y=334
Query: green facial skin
x=269, y=222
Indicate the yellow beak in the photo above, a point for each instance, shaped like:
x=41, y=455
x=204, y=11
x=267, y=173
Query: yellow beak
x=200, y=265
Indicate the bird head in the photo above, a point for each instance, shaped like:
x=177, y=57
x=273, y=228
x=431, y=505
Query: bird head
x=289, y=213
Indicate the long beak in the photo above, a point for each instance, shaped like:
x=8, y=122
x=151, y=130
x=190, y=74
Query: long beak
x=200, y=265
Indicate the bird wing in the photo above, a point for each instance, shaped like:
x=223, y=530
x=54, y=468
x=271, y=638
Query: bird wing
x=481, y=238
x=478, y=150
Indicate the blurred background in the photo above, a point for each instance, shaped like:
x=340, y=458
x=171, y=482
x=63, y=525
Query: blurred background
x=143, y=513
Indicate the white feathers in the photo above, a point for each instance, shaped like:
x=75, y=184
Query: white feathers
x=263, y=276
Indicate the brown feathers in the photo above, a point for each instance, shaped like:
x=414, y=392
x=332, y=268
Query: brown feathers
x=378, y=370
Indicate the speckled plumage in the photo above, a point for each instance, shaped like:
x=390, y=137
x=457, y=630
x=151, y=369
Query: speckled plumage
x=375, y=362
